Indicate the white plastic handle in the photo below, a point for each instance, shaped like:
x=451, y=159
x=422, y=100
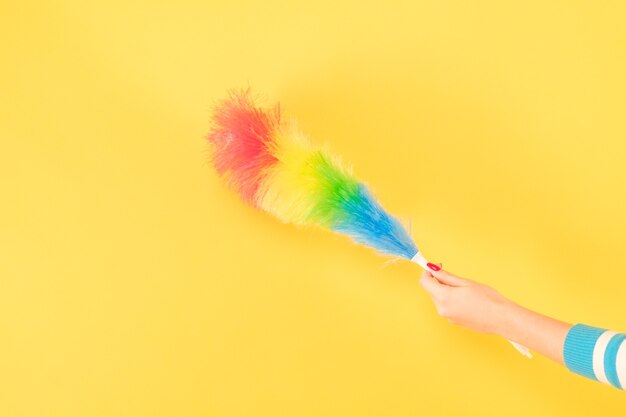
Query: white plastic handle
x=421, y=261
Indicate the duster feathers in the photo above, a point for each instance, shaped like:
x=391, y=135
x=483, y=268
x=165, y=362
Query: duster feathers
x=275, y=168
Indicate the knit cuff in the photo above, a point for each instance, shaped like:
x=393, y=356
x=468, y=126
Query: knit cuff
x=597, y=354
x=578, y=349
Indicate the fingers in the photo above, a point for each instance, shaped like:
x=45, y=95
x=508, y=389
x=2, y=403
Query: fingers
x=432, y=286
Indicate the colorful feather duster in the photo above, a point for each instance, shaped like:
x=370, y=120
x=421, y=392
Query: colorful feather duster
x=275, y=168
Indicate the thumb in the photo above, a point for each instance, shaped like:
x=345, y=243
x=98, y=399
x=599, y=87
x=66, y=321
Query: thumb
x=447, y=278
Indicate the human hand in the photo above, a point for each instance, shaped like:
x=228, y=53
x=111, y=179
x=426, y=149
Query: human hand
x=481, y=308
x=465, y=302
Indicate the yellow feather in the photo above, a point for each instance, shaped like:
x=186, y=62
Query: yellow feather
x=289, y=190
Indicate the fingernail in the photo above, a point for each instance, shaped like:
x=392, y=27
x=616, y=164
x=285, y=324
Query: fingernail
x=433, y=266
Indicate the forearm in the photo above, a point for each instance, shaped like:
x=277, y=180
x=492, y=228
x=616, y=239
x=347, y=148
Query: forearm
x=539, y=333
x=592, y=352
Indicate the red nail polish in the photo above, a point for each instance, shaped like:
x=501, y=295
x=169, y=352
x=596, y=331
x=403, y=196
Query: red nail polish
x=433, y=266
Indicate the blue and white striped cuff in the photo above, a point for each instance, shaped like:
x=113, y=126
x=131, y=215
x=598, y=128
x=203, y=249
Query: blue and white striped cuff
x=597, y=354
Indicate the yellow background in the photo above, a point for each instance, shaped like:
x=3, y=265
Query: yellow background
x=132, y=283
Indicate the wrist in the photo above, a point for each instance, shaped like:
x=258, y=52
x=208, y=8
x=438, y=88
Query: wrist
x=507, y=318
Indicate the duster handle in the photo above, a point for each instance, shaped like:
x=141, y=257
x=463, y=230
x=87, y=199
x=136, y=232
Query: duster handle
x=421, y=261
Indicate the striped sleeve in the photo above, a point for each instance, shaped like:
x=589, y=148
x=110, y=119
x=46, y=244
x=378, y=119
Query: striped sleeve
x=598, y=354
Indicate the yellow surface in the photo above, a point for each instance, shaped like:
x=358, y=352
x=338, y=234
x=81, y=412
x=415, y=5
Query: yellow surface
x=132, y=283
